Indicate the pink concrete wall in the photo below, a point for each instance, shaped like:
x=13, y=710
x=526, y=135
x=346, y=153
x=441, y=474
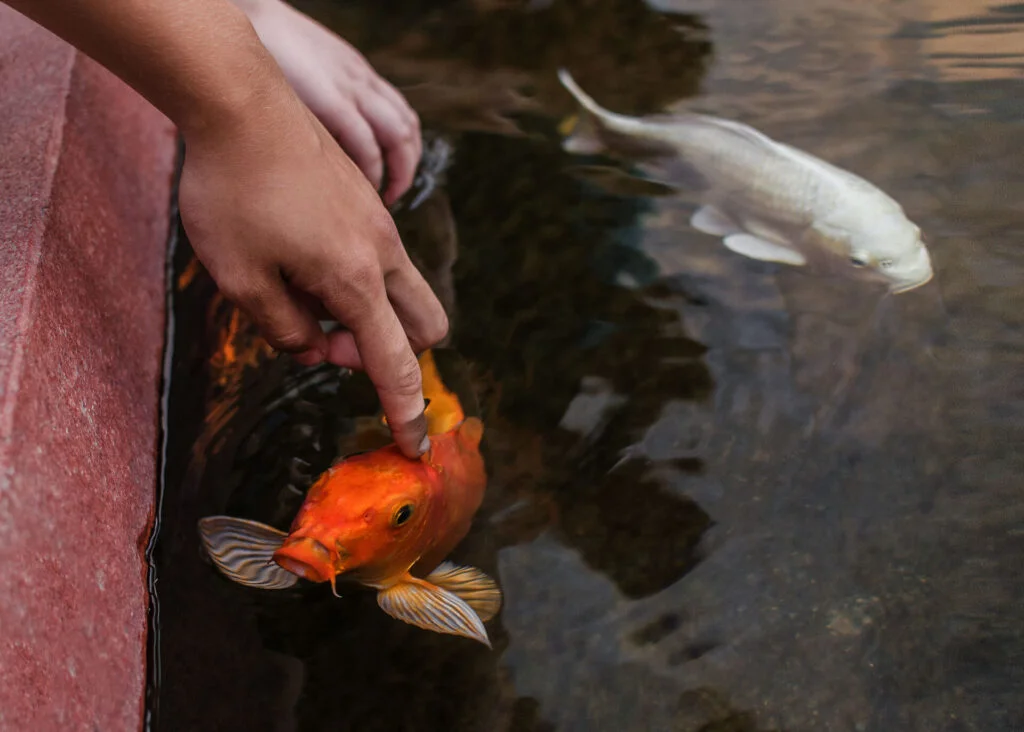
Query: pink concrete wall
x=85, y=175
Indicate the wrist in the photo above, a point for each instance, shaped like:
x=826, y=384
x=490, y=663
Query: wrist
x=239, y=81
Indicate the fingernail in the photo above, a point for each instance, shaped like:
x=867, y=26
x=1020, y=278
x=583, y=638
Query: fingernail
x=425, y=445
x=310, y=358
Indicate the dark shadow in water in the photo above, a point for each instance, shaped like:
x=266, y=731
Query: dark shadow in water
x=704, y=710
x=538, y=312
x=478, y=65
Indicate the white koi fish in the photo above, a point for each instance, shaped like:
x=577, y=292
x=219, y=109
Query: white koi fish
x=768, y=201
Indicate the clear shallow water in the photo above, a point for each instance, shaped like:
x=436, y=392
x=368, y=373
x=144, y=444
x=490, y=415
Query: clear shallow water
x=817, y=523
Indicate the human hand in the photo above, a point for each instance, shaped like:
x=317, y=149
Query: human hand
x=369, y=117
x=283, y=220
x=288, y=227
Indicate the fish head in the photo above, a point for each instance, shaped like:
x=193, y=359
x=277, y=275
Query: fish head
x=370, y=517
x=893, y=250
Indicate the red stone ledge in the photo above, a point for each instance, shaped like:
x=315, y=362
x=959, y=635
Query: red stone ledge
x=86, y=168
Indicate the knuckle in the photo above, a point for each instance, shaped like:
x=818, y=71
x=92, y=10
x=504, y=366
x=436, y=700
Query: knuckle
x=385, y=234
x=344, y=108
x=408, y=133
x=289, y=339
x=406, y=380
x=363, y=278
x=355, y=288
x=238, y=290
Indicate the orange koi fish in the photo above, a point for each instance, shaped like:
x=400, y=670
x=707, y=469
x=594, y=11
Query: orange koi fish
x=385, y=521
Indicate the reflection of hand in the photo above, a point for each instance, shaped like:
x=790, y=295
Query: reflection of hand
x=369, y=117
x=284, y=221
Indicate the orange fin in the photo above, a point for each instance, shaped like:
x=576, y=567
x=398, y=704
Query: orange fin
x=443, y=410
x=475, y=588
x=243, y=551
x=471, y=431
x=429, y=607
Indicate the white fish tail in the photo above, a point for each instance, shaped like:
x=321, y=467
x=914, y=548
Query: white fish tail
x=600, y=128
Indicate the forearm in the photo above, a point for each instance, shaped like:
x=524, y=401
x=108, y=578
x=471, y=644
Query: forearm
x=198, y=61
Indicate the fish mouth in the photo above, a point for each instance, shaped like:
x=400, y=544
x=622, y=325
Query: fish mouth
x=907, y=285
x=307, y=558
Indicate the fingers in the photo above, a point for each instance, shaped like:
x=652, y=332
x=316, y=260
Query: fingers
x=386, y=349
x=342, y=350
x=400, y=149
x=398, y=131
x=285, y=322
x=385, y=354
x=357, y=139
x=421, y=314
x=416, y=306
x=401, y=104
x=380, y=127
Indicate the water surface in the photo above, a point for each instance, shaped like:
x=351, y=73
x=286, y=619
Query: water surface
x=724, y=494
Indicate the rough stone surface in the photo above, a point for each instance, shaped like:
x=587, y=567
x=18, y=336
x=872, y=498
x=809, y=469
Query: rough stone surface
x=85, y=174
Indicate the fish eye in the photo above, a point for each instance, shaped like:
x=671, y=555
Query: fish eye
x=403, y=514
x=858, y=262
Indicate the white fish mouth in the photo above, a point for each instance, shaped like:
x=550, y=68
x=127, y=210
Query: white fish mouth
x=907, y=285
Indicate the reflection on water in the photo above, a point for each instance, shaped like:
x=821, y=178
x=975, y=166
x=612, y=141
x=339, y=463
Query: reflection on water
x=723, y=495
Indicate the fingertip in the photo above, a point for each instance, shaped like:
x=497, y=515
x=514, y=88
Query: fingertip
x=402, y=169
x=411, y=437
x=373, y=169
x=393, y=193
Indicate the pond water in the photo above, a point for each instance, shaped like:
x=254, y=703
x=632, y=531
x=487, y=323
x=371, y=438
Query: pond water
x=724, y=494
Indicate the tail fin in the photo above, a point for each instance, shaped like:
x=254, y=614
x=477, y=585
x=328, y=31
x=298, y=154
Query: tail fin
x=600, y=130
x=584, y=99
x=585, y=137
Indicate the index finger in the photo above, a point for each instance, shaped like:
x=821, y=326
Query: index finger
x=390, y=363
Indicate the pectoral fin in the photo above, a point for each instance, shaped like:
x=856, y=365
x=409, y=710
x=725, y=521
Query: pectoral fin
x=757, y=248
x=243, y=551
x=710, y=220
x=426, y=606
x=474, y=587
